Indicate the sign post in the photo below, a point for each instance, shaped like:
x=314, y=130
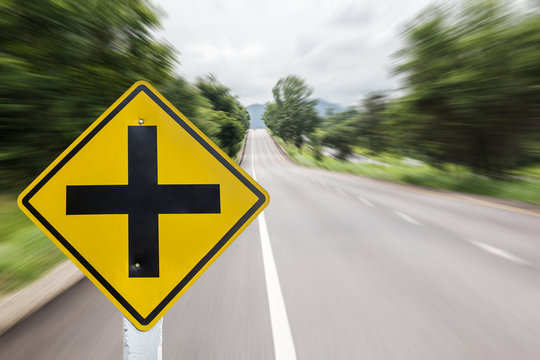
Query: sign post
x=142, y=345
x=143, y=203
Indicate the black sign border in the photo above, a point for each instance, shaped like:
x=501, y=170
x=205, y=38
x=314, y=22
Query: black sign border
x=145, y=320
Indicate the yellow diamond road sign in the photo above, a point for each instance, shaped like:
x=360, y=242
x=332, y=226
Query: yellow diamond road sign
x=143, y=202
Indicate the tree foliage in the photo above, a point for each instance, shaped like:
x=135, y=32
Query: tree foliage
x=470, y=94
x=230, y=132
x=63, y=62
x=370, y=126
x=221, y=99
x=292, y=115
x=472, y=76
x=341, y=137
x=194, y=105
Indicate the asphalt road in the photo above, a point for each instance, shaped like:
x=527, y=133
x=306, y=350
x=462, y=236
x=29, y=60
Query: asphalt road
x=342, y=268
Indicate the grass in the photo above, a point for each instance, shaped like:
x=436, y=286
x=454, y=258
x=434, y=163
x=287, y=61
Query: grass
x=25, y=252
x=531, y=172
x=453, y=178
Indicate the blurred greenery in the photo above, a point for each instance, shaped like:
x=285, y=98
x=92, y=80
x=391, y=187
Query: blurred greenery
x=292, y=115
x=62, y=64
x=25, y=251
x=472, y=75
x=453, y=178
x=230, y=117
x=467, y=117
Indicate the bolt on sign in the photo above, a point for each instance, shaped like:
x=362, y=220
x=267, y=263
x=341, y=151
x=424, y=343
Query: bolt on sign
x=143, y=202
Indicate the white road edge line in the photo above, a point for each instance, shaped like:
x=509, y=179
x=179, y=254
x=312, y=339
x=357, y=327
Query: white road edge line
x=281, y=331
x=406, y=217
x=364, y=200
x=499, y=252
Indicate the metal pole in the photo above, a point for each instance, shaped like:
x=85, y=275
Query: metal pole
x=142, y=345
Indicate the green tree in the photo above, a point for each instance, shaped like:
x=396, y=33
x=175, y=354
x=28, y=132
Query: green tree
x=62, y=63
x=230, y=116
x=270, y=117
x=222, y=99
x=193, y=105
x=292, y=115
x=340, y=137
x=338, y=131
x=370, y=123
x=471, y=74
x=230, y=133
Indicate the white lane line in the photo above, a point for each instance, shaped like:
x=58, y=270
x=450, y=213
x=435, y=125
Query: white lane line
x=406, y=217
x=364, y=200
x=281, y=331
x=499, y=252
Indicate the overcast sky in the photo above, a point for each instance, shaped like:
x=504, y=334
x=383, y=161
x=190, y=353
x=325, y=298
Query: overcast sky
x=342, y=48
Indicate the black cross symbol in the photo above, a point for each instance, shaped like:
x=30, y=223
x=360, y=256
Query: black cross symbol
x=143, y=199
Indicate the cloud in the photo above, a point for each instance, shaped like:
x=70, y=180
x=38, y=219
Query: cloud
x=354, y=14
x=342, y=48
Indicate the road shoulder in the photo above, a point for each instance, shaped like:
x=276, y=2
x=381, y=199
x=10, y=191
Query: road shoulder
x=17, y=306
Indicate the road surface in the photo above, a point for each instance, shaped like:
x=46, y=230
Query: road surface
x=341, y=267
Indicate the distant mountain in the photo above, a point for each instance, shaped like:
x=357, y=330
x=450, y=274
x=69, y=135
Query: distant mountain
x=324, y=107
x=256, y=112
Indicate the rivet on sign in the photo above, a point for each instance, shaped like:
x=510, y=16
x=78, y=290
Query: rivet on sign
x=141, y=122
x=137, y=265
